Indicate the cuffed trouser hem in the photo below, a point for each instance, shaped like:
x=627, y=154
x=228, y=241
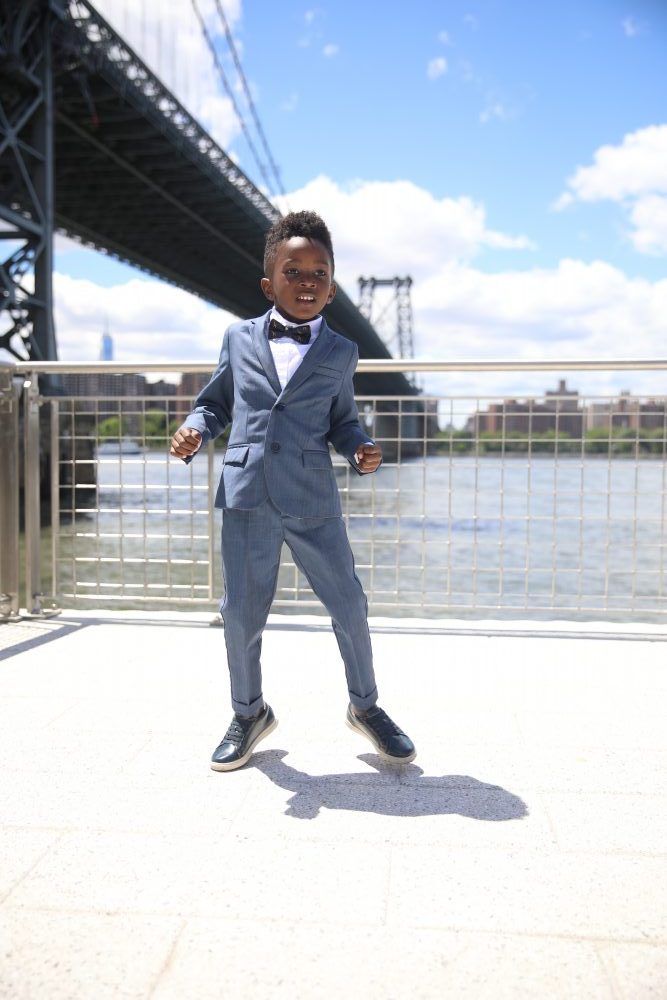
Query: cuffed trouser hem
x=254, y=708
x=364, y=703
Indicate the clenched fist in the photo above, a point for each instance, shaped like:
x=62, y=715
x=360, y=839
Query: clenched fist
x=368, y=457
x=185, y=442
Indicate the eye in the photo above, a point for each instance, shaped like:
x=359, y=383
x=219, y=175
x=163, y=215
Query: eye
x=320, y=274
x=291, y=271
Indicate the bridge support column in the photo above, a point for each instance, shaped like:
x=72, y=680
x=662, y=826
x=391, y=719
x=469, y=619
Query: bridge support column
x=402, y=428
x=27, y=179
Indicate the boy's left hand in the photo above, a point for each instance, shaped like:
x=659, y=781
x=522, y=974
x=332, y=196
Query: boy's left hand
x=368, y=457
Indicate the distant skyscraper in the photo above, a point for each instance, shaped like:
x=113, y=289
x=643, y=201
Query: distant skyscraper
x=106, y=351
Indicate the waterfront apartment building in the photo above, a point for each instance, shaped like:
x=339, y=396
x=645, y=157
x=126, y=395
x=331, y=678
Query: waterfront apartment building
x=627, y=412
x=557, y=412
x=133, y=388
x=560, y=411
x=188, y=388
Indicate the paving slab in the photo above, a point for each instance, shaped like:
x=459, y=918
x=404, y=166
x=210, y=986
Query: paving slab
x=521, y=855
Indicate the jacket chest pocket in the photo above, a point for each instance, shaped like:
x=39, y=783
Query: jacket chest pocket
x=325, y=381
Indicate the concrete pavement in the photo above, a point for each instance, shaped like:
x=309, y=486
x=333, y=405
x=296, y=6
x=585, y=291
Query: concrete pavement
x=522, y=855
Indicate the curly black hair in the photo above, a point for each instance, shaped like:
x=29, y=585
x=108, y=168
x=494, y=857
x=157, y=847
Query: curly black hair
x=306, y=224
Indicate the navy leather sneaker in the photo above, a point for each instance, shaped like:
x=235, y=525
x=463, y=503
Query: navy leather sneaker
x=241, y=739
x=389, y=741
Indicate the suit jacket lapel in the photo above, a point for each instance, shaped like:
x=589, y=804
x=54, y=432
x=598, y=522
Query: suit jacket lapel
x=316, y=354
x=260, y=340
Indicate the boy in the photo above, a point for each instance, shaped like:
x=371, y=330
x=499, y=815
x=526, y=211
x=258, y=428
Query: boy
x=284, y=381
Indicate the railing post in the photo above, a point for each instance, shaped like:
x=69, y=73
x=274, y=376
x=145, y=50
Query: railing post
x=9, y=495
x=55, y=497
x=213, y=542
x=31, y=483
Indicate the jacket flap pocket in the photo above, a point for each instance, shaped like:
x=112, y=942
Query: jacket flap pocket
x=317, y=459
x=330, y=372
x=236, y=454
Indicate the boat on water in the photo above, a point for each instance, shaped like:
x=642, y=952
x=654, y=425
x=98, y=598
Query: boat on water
x=124, y=446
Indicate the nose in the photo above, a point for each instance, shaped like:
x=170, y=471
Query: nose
x=306, y=281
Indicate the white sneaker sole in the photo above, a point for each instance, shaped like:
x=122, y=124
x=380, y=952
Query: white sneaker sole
x=385, y=756
x=235, y=764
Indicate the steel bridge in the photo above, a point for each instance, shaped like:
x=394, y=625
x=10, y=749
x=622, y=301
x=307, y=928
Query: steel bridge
x=93, y=145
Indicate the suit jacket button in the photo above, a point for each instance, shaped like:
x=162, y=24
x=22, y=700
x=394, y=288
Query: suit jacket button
x=280, y=406
x=275, y=446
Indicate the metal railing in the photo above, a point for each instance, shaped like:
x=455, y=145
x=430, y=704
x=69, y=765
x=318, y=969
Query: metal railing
x=549, y=505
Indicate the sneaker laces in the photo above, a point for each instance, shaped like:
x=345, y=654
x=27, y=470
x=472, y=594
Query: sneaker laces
x=235, y=733
x=383, y=725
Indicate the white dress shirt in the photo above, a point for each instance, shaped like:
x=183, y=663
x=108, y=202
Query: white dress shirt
x=287, y=353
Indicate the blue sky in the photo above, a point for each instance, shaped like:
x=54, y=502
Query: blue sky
x=510, y=155
x=529, y=91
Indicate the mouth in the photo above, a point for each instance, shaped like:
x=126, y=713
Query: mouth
x=309, y=299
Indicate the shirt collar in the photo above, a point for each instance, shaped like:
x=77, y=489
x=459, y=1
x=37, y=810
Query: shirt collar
x=314, y=324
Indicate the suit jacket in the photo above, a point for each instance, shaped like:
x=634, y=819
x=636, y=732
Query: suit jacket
x=279, y=441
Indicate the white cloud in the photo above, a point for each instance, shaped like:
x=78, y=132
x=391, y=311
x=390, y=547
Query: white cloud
x=498, y=111
x=65, y=244
x=638, y=166
x=649, y=218
x=631, y=27
x=396, y=226
x=218, y=117
x=444, y=38
x=167, y=36
x=436, y=67
x=148, y=320
x=634, y=174
x=330, y=50
x=575, y=310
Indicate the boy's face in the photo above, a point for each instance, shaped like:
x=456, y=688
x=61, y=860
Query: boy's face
x=301, y=283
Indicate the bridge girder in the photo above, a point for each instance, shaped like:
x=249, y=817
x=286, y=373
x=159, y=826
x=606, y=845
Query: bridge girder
x=26, y=179
x=122, y=166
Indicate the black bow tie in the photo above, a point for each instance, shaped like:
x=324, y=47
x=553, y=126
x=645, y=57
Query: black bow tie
x=299, y=333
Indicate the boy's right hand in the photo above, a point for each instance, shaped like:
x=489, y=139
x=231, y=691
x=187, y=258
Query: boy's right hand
x=185, y=442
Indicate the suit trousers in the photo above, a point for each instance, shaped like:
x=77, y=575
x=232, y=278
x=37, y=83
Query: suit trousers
x=251, y=545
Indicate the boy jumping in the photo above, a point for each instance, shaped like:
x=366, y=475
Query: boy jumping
x=284, y=381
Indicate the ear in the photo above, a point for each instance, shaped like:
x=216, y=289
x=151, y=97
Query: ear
x=332, y=292
x=267, y=288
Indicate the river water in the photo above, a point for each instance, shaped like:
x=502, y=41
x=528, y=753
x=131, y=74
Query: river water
x=460, y=536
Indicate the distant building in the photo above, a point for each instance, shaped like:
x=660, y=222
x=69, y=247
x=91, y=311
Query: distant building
x=653, y=415
x=558, y=412
x=627, y=412
x=561, y=411
x=103, y=385
x=189, y=387
x=563, y=403
x=106, y=350
x=163, y=396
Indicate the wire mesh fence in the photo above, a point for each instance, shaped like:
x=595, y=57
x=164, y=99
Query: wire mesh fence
x=483, y=506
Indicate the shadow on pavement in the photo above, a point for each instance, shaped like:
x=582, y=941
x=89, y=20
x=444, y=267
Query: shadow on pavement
x=44, y=633
x=400, y=790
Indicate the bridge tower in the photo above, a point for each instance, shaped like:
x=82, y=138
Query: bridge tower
x=27, y=178
x=402, y=336
x=399, y=425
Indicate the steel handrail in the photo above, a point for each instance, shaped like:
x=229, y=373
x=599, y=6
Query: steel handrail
x=364, y=366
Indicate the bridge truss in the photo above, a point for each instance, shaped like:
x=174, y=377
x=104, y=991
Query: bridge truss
x=93, y=145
